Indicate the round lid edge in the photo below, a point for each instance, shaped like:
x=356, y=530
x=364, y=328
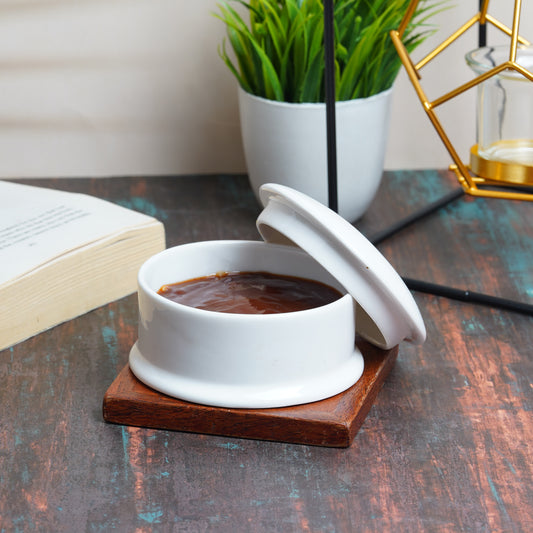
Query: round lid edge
x=388, y=311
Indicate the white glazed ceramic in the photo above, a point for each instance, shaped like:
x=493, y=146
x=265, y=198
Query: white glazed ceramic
x=261, y=361
x=286, y=143
x=238, y=360
x=386, y=312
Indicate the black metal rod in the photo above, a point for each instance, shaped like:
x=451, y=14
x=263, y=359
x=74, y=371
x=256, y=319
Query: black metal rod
x=463, y=295
x=468, y=296
x=329, y=79
x=482, y=31
x=416, y=216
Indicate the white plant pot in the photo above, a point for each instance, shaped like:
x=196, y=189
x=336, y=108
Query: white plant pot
x=286, y=143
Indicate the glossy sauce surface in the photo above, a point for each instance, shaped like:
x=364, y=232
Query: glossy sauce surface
x=250, y=293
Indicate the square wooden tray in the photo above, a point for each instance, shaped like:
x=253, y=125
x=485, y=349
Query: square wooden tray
x=332, y=422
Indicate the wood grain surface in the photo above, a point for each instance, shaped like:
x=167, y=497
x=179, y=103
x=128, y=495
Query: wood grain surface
x=445, y=447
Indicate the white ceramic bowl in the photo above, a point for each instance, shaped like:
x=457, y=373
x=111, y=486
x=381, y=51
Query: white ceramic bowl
x=240, y=360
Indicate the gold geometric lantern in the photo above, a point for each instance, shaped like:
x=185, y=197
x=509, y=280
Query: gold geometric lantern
x=505, y=178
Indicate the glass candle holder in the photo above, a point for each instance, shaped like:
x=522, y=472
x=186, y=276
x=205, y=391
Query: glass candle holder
x=504, y=116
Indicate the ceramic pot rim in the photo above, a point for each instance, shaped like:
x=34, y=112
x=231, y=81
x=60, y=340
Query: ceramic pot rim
x=318, y=105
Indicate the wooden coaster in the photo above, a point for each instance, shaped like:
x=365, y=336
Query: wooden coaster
x=332, y=422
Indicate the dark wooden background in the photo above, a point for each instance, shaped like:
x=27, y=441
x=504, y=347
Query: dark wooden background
x=446, y=447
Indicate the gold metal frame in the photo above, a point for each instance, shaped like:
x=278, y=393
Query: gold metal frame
x=517, y=176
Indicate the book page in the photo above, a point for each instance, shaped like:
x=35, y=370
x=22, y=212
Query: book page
x=38, y=225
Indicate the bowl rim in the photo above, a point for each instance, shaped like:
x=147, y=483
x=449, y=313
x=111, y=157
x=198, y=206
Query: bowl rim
x=148, y=291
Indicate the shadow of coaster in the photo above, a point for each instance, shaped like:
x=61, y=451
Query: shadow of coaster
x=332, y=422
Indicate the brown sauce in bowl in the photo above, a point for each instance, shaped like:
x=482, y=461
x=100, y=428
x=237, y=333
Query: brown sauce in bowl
x=250, y=293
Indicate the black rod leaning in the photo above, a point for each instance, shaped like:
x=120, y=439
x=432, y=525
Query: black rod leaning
x=416, y=216
x=468, y=296
x=329, y=80
x=443, y=290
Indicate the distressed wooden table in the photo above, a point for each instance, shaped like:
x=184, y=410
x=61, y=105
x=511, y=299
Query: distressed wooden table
x=446, y=446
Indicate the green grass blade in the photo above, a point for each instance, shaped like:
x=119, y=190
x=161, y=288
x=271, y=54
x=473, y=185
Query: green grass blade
x=279, y=50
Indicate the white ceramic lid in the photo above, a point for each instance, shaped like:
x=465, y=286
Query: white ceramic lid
x=386, y=313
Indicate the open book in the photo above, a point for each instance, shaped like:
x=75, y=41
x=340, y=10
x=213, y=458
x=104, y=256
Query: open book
x=63, y=254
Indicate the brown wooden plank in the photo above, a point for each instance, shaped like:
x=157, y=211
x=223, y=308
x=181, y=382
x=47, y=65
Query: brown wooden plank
x=332, y=422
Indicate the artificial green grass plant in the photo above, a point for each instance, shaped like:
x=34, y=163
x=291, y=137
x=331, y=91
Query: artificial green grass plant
x=279, y=53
